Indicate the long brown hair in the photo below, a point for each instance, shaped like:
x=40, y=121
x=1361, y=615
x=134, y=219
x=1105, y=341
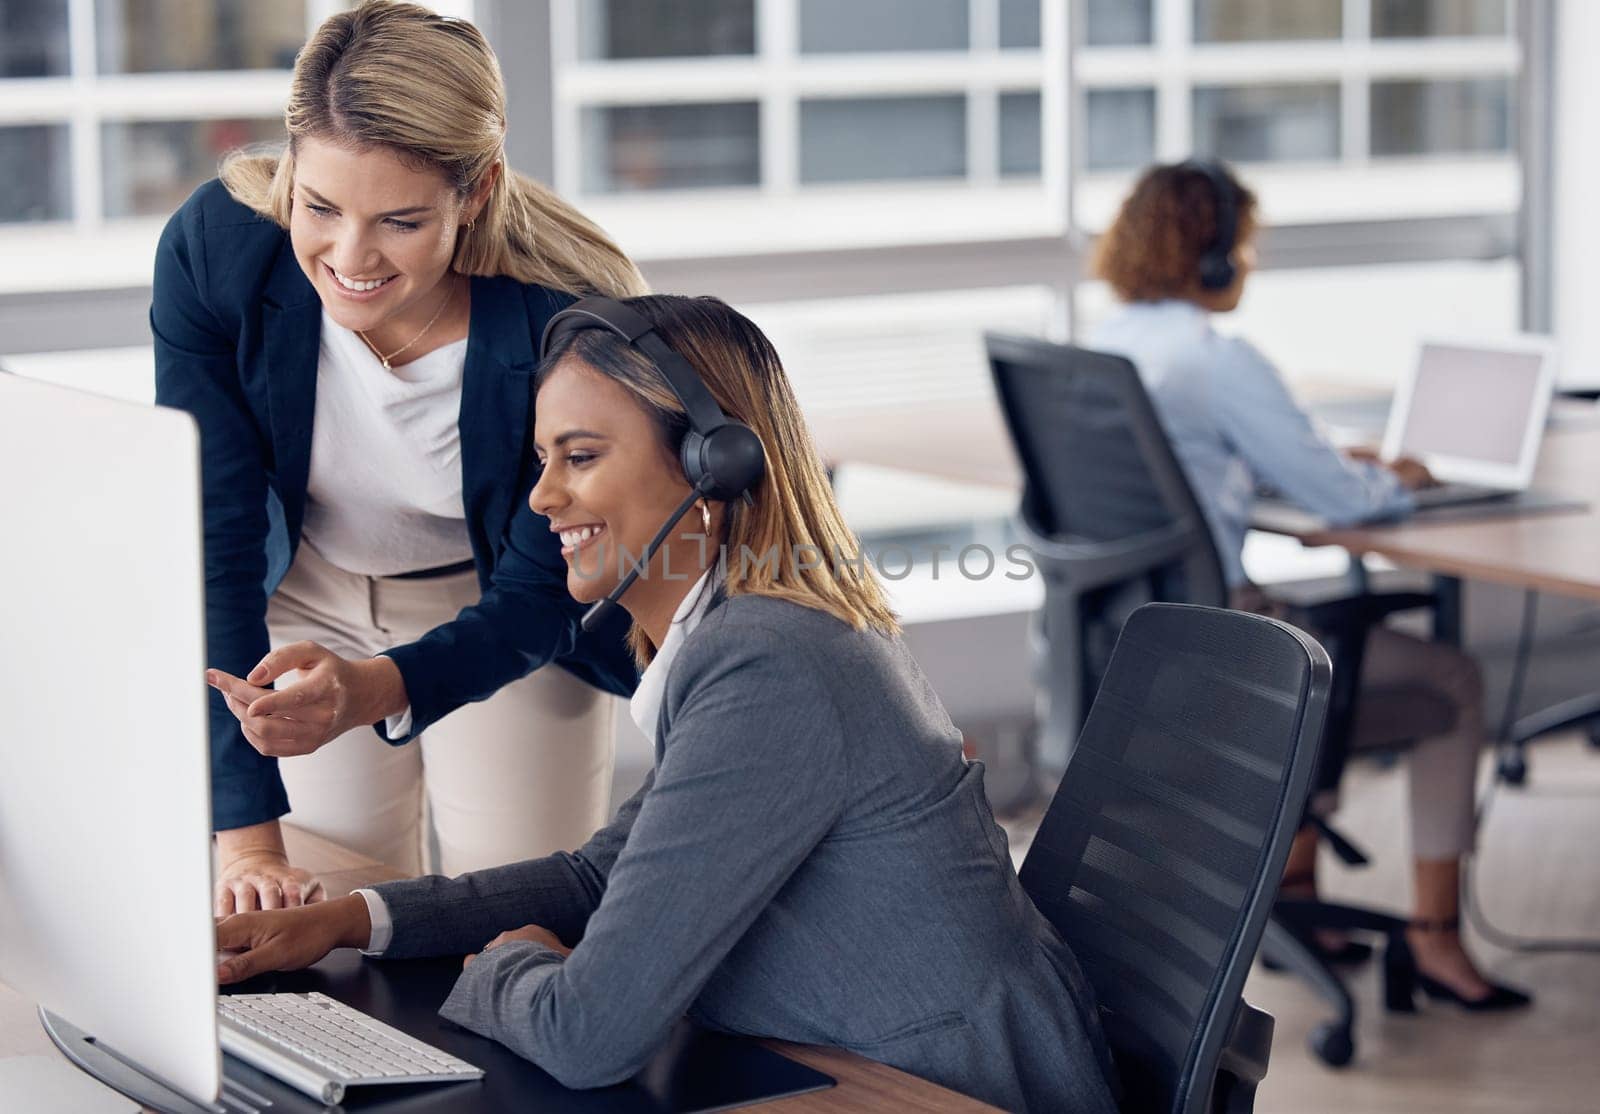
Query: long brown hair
x=792, y=510
x=428, y=87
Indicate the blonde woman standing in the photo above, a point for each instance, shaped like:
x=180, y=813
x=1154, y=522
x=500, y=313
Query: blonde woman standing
x=354, y=324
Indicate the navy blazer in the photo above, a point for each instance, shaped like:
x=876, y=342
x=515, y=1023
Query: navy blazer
x=237, y=328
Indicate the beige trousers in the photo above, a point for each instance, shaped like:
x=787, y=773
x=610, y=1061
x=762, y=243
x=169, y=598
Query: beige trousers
x=1442, y=770
x=1397, y=672
x=517, y=776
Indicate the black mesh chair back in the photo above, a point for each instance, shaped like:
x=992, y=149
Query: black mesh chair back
x=1160, y=854
x=1106, y=510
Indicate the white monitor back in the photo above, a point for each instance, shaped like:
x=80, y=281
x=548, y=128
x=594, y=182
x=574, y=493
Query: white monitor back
x=105, y=858
x=1473, y=410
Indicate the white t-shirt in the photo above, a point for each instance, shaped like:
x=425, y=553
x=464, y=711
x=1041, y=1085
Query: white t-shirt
x=384, y=493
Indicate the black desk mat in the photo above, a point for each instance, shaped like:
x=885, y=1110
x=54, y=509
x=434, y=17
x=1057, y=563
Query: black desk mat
x=696, y=1071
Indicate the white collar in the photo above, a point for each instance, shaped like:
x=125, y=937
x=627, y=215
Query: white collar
x=645, y=705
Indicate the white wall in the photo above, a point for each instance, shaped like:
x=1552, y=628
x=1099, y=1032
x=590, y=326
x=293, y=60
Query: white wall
x=1336, y=331
x=1576, y=236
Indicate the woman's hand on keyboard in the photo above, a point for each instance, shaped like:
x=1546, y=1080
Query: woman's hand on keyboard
x=289, y=939
x=1412, y=473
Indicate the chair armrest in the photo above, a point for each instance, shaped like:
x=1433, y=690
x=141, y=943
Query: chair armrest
x=1243, y=1064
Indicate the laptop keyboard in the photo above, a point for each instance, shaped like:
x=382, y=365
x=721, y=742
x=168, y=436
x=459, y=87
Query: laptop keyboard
x=328, y=1045
x=1449, y=493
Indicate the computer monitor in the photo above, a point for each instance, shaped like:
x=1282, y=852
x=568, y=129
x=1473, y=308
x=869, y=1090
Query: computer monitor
x=105, y=860
x=1473, y=411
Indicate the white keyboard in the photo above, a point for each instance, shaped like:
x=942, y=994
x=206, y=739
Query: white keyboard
x=321, y=1046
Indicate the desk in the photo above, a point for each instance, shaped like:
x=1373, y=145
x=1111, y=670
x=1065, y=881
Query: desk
x=863, y=1086
x=1555, y=552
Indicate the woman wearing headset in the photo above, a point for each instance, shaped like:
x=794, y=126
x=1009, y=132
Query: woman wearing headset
x=812, y=858
x=1179, y=251
x=354, y=326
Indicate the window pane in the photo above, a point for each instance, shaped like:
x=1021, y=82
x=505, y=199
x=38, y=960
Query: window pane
x=33, y=38
x=1237, y=21
x=1441, y=117
x=671, y=146
x=150, y=166
x=836, y=26
x=159, y=36
x=877, y=138
x=1267, y=123
x=37, y=183
x=1121, y=128
x=619, y=29
x=1119, y=23
x=1399, y=19
x=1019, y=24
x=1020, y=135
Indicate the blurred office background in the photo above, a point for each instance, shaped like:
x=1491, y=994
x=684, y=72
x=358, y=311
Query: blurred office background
x=940, y=164
x=878, y=181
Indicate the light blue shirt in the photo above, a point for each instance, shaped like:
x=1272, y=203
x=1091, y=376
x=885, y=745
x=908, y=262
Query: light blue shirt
x=1234, y=426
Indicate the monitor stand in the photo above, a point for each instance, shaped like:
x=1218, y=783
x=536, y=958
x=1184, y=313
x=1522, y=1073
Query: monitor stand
x=116, y=1072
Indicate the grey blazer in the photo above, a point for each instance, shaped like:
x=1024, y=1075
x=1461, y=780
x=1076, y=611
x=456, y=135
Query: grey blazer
x=811, y=859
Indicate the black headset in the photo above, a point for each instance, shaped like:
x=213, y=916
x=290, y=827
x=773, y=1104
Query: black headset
x=722, y=459
x=1216, y=269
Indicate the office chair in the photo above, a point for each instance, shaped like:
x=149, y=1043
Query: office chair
x=1580, y=711
x=1113, y=523
x=1160, y=853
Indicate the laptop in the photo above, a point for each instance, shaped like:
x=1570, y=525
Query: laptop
x=1473, y=411
x=105, y=816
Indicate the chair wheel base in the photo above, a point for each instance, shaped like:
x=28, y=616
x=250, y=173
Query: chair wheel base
x=1512, y=769
x=1332, y=1043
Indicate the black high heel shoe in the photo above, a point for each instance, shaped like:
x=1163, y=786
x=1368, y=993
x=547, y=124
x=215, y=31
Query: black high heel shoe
x=1499, y=997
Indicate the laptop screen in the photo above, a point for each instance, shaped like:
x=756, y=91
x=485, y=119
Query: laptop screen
x=1471, y=403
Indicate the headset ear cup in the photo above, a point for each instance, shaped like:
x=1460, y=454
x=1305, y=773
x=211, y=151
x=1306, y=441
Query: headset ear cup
x=691, y=457
x=1216, y=272
x=731, y=457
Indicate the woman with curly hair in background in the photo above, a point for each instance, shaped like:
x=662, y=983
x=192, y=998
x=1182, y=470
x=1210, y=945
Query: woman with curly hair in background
x=1179, y=251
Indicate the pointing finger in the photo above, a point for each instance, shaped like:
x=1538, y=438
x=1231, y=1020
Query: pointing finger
x=296, y=655
x=229, y=685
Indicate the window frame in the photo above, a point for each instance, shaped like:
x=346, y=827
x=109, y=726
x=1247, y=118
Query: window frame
x=62, y=311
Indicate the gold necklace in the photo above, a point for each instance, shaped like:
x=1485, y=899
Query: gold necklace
x=448, y=298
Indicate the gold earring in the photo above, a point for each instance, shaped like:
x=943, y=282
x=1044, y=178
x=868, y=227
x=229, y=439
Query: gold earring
x=705, y=517
x=471, y=224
